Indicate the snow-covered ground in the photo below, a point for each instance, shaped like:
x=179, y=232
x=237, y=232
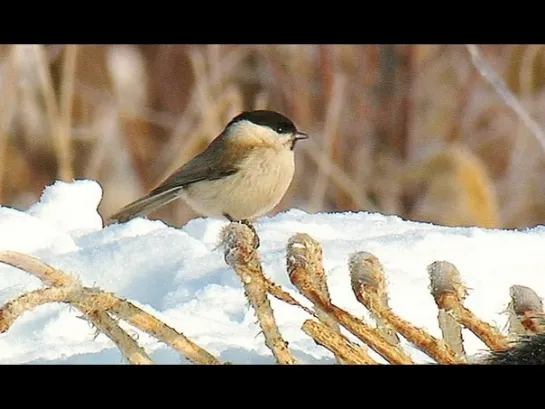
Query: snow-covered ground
x=180, y=276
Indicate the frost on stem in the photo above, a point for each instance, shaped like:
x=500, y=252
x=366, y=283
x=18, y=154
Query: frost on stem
x=367, y=280
x=449, y=293
x=347, y=351
x=300, y=253
x=367, y=274
x=300, y=244
x=240, y=254
x=95, y=305
x=14, y=308
x=445, y=277
x=524, y=309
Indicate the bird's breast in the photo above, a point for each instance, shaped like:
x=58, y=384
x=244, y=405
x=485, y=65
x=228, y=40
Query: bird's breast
x=257, y=187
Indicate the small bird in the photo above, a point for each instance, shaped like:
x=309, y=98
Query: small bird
x=242, y=174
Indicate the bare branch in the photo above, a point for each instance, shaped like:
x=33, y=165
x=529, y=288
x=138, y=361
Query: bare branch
x=347, y=351
x=238, y=241
x=507, y=96
x=448, y=294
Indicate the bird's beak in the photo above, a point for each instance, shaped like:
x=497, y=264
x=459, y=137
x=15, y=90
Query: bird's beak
x=300, y=135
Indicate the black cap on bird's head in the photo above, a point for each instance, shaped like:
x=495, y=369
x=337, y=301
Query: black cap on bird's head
x=271, y=119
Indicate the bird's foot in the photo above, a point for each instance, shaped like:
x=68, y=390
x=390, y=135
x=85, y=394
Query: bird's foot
x=252, y=228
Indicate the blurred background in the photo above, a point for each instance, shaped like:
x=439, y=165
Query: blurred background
x=411, y=130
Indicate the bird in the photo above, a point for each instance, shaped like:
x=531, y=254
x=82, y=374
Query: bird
x=241, y=175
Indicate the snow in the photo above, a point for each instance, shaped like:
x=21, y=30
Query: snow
x=180, y=276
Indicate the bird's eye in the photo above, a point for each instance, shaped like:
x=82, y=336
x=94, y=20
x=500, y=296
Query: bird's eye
x=280, y=129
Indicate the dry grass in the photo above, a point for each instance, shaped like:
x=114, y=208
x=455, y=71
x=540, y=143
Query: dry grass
x=304, y=267
x=130, y=114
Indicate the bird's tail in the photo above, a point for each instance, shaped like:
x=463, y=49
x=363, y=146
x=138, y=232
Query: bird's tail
x=144, y=205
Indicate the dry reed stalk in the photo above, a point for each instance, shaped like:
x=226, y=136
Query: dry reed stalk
x=525, y=305
x=317, y=276
x=342, y=180
x=156, y=328
x=64, y=128
x=431, y=346
x=48, y=275
x=50, y=99
x=330, y=140
x=298, y=264
x=94, y=305
x=278, y=292
x=348, y=352
x=127, y=73
x=367, y=274
x=8, y=102
x=505, y=94
x=14, y=308
x=176, y=149
x=240, y=254
x=448, y=293
x=449, y=325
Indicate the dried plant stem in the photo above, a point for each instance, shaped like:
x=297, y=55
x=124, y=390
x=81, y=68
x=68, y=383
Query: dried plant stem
x=240, y=254
x=95, y=304
x=452, y=333
x=431, y=346
x=341, y=347
x=14, y=308
x=26, y=302
x=524, y=305
x=48, y=275
x=366, y=272
x=448, y=293
x=507, y=96
x=297, y=257
x=64, y=129
x=317, y=277
x=48, y=91
x=151, y=325
x=338, y=176
x=8, y=103
x=278, y=292
x=331, y=129
x=444, y=275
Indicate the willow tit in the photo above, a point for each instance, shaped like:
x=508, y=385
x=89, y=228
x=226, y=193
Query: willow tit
x=242, y=174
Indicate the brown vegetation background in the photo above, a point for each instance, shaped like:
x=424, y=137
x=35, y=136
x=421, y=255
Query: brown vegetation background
x=412, y=130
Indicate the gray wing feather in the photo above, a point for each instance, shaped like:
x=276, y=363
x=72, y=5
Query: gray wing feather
x=208, y=165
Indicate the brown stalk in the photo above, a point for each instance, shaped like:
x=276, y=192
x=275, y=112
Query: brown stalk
x=8, y=102
x=330, y=140
x=240, y=254
x=298, y=263
x=64, y=129
x=338, y=344
x=48, y=275
x=50, y=99
x=278, y=292
x=450, y=326
x=525, y=306
x=95, y=304
x=14, y=308
x=367, y=273
x=151, y=325
x=448, y=294
x=317, y=277
x=431, y=346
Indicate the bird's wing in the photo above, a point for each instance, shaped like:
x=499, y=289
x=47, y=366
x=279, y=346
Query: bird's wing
x=210, y=164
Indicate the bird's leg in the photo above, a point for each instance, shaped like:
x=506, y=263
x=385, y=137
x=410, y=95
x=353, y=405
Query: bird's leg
x=252, y=228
